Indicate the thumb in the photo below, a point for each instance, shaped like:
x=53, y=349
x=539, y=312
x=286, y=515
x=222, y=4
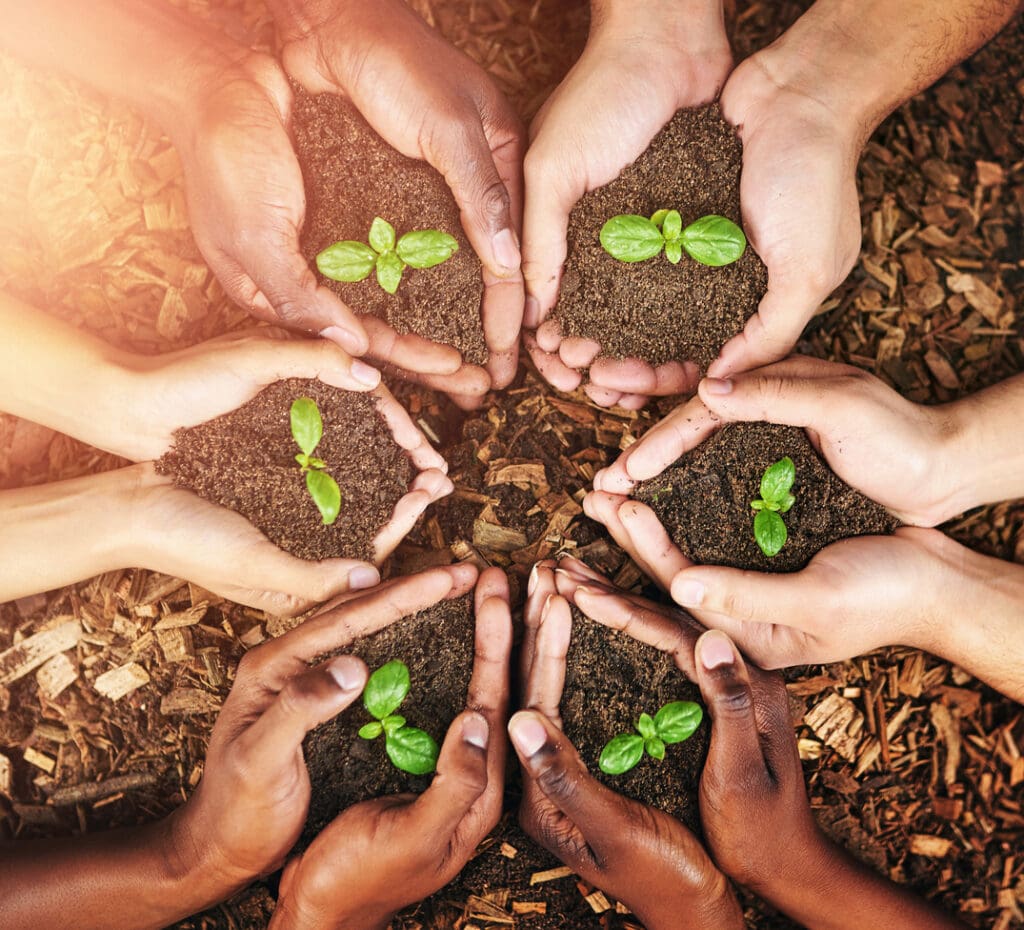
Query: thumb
x=272, y=360
x=725, y=686
x=460, y=780
x=744, y=596
x=555, y=767
x=788, y=398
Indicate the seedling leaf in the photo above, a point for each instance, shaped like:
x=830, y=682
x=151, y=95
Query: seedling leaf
x=425, y=248
x=672, y=225
x=655, y=748
x=371, y=730
x=788, y=501
x=325, y=493
x=770, y=532
x=645, y=726
x=393, y=722
x=307, y=426
x=673, y=251
x=658, y=217
x=412, y=751
x=389, y=271
x=777, y=480
x=346, y=261
x=386, y=688
x=382, y=236
x=621, y=754
x=631, y=238
x=714, y=240
x=677, y=721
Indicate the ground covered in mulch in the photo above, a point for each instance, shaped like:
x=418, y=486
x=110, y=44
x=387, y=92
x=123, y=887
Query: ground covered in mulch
x=910, y=762
x=703, y=500
x=352, y=176
x=656, y=310
x=245, y=460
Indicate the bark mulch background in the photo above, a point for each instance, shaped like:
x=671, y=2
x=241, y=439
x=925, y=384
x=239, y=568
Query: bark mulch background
x=653, y=309
x=910, y=762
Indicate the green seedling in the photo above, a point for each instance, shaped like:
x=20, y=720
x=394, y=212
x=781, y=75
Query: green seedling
x=307, y=430
x=769, y=527
x=353, y=261
x=711, y=240
x=674, y=723
x=409, y=749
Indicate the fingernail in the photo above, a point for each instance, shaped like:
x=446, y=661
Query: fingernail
x=364, y=374
x=547, y=606
x=506, y=250
x=688, y=593
x=587, y=589
x=718, y=386
x=527, y=733
x=531, y=584
x=347, y=672
x=348, y=341
x=475, y=731
x=715, y=649
x=363, y=576
x=531, y=313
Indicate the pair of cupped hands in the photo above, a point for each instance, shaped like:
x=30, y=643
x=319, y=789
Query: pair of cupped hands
x=382, y=855
x=431, y=102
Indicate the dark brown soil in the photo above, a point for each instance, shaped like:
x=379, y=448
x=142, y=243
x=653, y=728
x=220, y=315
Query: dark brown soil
x=437, y=646
x=655, y=310
x=246, y=461
x=352, y=176
x=704, y=500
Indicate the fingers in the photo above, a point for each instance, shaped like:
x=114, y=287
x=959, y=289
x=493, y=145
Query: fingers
x=466, y=387
x=670, y=632
x=725, y=686
x=576, y=352
x=460, y=780
x=602, y=396
x=746, y=596
x=407, y=434
x=409, y=351
x=539, y=587
x=635, y=376
x=551, y=368
x=790, y=399
x=321, y=359
x=543, y=689
x=304, y=702
x=428, y=487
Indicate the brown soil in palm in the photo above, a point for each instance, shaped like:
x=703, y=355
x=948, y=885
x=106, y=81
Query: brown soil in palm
x=655, y=310
x=245, y=461
x=352, y=175
x=703, y=500
x=437, y=646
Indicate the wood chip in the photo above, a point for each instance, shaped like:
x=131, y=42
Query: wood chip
x=834, y=722
x=29, y=654
x=54, y=675
x=529, y=907
x=6, y=776
x=186, y=701
x=121, y=681
x=89, y=792
x=509, y=851
x=40, y=760
x=550, y=875
x=598, y=902
x=935, y=847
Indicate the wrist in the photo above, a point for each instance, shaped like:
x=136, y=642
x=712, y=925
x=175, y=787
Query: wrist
x=714, y=908
x=689, y=27
x=295, y=910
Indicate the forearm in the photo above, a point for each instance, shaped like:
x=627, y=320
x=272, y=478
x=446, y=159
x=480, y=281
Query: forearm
x=122, y=880
x=864, y=58
x=145, y=52
x=56, y=534
x=828, y=874
x=983, y=454
x=60, y=376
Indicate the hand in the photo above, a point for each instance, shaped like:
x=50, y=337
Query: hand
x=430, y=102
x=250, y=806
x=382, y=855
x=892, y=450
x=801, y=212
x=637, y=70
x=639, y=855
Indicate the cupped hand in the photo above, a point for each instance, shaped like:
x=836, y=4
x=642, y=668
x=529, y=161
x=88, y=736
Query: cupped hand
x=639, y=67
x=801, y=212
x=639, y=855
x=430, y=102
x=382, y=855
x=247, y=204
x=251, y=804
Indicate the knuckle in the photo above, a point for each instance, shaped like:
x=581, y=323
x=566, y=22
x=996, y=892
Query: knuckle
x=558, y=781
x=734, y=700
x=738, y=606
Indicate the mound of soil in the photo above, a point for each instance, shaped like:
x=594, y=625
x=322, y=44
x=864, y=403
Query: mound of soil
x=351, y=176
x=344, y=769
x=245, y=460
x=703, y=500
x=655, y=310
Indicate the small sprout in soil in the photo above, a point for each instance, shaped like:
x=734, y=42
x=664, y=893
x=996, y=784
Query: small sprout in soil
x=353, y=261
x=308, y=429
x=409, y=749
x=711, y=240
x=769, y=528
x=674, y=723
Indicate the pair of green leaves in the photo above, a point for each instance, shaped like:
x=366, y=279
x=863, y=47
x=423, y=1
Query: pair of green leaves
x=711, y=240
x=675, y=722
x=353, y=261
x=409, y=749
x=769, y=528
x=308, y=430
